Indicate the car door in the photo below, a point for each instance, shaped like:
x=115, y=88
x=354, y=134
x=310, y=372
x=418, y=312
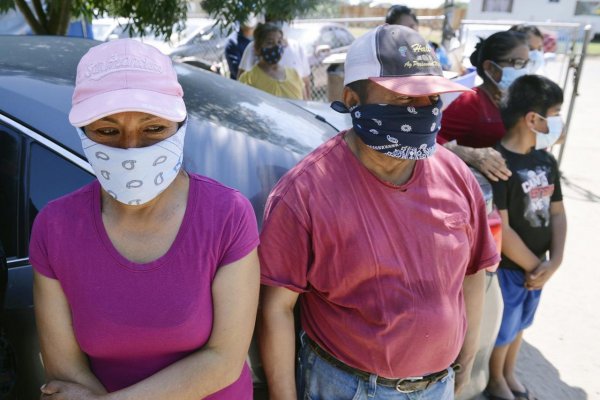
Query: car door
x=33, y=171
x=8, y=370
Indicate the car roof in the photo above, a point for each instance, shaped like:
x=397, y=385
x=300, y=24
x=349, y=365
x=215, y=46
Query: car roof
x=37, y=79
x=315, y=25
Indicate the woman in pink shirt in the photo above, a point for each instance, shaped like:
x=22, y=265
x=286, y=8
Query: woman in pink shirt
x=146, y=280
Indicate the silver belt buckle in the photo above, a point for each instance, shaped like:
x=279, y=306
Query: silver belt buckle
x=411, y=379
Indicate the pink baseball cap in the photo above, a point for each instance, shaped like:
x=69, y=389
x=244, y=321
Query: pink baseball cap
x=399, y=59
x=125, y=75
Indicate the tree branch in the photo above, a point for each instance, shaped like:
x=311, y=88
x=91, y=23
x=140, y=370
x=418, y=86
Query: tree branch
x=53, y=15
x=41, y=13
x=60, y=12
x=65, y=17
x=30, y=18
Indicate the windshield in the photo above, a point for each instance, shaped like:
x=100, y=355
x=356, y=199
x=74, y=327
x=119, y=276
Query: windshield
x=193, y=26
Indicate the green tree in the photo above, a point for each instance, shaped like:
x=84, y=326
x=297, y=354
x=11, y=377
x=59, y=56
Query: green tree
x=52, y=17
x=229, y=12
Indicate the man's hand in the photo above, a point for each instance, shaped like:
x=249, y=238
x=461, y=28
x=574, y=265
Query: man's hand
x=474, y=294
x=462, y=378
x=60, y=390
x=491, y=163
x=536, y=279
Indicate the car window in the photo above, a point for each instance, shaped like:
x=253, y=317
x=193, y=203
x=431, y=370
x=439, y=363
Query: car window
x=328, y=38
x=9, y=189
x=101, y=31
x=302, y=34
x=202, y=38
x=122, y=32
x=343, y=37
x=207, y=33
x=51, y=176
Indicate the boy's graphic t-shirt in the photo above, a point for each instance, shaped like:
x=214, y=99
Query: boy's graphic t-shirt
x=534, y=184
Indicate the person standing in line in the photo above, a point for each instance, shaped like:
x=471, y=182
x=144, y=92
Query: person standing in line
x=268, y=74
x=534, y=222
x=383, y=238
x=236, y=44
x=535, y=41
x=145, y=281
x=472, y=125
x=403, y=15
x=293, y=57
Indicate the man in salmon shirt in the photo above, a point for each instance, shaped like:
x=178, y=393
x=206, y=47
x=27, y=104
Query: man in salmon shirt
x=383, y=237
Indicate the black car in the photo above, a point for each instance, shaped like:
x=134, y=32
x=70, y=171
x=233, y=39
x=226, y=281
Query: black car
x=242, y=137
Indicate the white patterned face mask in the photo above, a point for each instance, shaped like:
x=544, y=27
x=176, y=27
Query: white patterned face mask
x=135, y=176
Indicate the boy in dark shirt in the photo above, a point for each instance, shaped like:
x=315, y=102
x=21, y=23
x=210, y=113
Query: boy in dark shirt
x=533, y=220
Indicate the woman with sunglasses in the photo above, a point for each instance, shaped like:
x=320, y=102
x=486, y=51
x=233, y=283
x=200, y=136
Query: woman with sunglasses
x=471, y=124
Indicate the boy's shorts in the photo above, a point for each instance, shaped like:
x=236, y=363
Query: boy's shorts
x=520, y=305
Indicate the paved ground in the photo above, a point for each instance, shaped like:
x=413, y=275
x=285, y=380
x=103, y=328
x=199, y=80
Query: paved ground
x=561, y=356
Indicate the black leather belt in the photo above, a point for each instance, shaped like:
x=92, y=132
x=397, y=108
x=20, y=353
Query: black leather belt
x=403, y=385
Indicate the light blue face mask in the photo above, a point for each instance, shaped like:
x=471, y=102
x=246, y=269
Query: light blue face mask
x=536, y=61
x=509, y=75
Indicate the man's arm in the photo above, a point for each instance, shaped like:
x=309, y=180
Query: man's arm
x=247, y=61
x=232, y=56
x=277, y=340
x=559, y=231
x=474, y=294
x=514, y=248
x=306, y=81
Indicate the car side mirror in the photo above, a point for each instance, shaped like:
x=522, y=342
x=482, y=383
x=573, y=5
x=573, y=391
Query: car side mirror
x=322, y=50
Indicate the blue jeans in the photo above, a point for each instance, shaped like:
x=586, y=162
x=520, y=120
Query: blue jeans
x=317, y=379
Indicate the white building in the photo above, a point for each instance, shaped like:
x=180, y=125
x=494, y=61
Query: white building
x=580, y=11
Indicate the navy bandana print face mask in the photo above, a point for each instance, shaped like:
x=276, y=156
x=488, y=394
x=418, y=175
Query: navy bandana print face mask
x=272, y=55
x=397, y=131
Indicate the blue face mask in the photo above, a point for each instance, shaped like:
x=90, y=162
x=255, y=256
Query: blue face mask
x=536, y=61
x=272, y=55
x=397, y=131
x=509, y=75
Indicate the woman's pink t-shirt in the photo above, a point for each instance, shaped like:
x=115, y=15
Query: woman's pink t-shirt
x=132, y=320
